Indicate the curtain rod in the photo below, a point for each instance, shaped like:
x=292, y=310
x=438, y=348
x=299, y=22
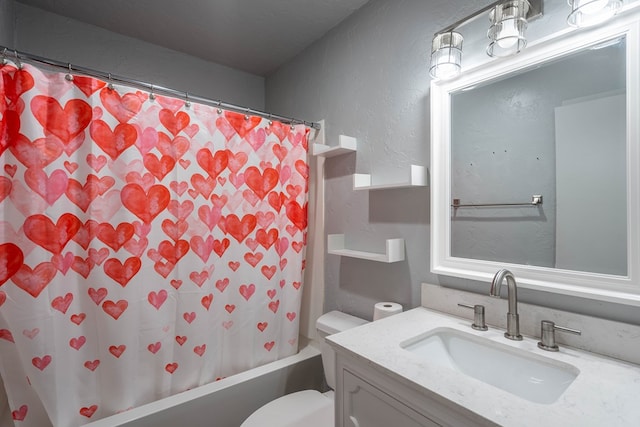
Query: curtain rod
x=18, y=56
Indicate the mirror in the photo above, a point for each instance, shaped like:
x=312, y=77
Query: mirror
x=534, y=167
x=558, y=131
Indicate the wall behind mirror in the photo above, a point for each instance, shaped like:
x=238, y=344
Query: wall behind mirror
x=557, y=130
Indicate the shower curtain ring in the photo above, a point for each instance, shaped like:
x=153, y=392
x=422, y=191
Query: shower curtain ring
x=270, y=121
x=110, y=84
x=292, y=123
x=18, y=63
x=219, y=103
x=187, y=103
x=4, y=56
x=246, y=116
x=69, y=77
x=152, y=95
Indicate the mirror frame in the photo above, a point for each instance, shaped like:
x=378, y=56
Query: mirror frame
x=603, y=287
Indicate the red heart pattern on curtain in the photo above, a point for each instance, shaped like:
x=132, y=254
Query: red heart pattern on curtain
x=146, y=247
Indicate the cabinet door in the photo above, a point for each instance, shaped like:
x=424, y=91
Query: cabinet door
x=367, y=406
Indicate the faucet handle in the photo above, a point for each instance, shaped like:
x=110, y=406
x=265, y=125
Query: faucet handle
x=548, y=335
x=478, y=316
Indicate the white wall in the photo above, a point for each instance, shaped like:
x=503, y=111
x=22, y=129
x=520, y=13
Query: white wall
x=591, y=183
x=369, y=78
x=67, y=40
x=6, y=23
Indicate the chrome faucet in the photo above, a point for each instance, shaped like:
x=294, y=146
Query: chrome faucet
x=513, y=321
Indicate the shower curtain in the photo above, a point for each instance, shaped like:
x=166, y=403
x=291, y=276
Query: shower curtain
x=147, y=246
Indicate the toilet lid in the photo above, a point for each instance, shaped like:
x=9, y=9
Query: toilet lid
x=308, y=408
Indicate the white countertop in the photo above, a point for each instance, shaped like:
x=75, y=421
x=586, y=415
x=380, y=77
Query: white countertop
x=605, y=393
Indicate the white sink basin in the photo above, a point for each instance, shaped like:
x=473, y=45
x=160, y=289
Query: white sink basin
x=527, y=375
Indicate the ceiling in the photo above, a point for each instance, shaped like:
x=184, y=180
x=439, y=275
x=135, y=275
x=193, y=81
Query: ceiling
x=256, y=36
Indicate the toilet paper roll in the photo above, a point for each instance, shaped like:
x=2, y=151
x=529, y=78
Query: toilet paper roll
x=386, y=309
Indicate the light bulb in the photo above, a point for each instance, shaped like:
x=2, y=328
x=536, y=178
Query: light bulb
x=446, y=65
x=508, y=34
x=508, y=25
x=447, y=71
x=585, y=13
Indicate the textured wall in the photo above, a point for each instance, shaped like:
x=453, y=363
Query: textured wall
x=369, y=79
x=6, y=23
x=63, y=39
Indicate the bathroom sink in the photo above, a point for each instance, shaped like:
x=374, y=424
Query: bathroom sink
x=527, y=375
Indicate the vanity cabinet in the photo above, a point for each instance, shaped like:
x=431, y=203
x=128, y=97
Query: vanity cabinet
x=367, y=397
x=367, y=405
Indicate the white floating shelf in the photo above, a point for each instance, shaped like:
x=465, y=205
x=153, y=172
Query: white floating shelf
x=394, y=250
x=346, y=144
x=417, y=178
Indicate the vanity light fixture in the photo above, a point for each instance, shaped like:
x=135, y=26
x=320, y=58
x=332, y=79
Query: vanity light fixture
x=585, y=13
x=509, y=20
x=508, y=25
x=446, y=55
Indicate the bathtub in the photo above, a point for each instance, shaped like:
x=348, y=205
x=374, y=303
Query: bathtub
x=228, y=402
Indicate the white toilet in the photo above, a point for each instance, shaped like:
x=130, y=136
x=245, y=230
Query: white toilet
x=308, y=408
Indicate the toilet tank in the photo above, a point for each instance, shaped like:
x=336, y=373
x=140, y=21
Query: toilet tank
x=328, y=324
